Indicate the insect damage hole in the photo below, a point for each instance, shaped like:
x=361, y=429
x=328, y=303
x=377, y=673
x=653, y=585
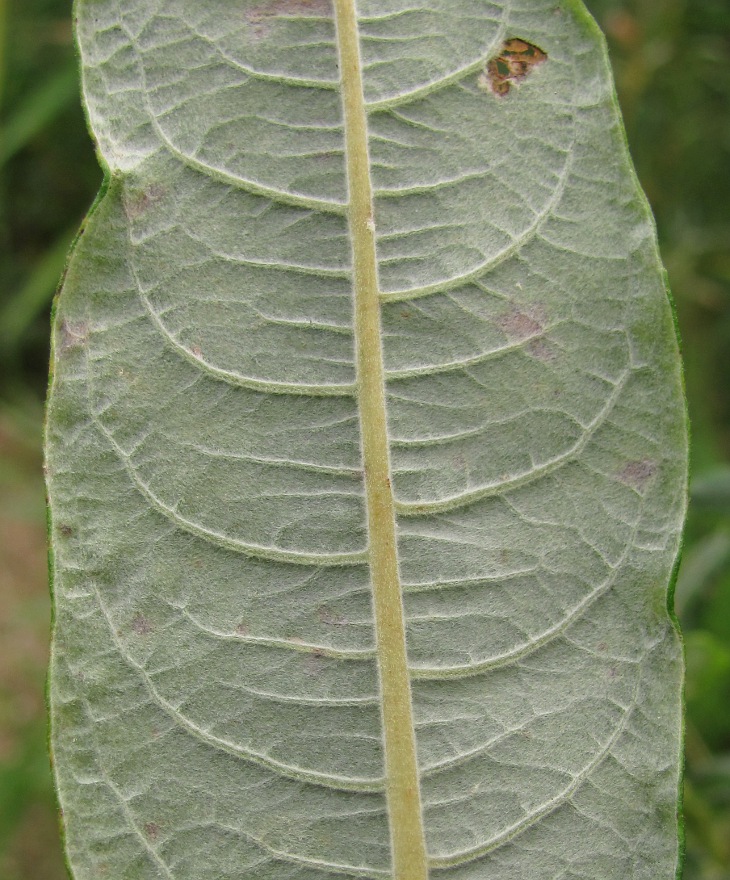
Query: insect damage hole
x=515, y=61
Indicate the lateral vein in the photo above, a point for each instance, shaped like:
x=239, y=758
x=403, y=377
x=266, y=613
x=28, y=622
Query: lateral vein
x=303, y=774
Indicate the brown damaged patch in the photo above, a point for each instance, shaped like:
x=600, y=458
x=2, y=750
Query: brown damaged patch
x=314, y=662
x=141, y=625
x=638, y=474
x=277, y=8
x=515, y=61
x=328, y=616
x=259, y=17
x=519, y=325
x=541, y=350
x=152, y=830
x=138, y=202
x=72, y=334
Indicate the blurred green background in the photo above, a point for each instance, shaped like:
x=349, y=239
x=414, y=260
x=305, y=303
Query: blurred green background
x=672, y=65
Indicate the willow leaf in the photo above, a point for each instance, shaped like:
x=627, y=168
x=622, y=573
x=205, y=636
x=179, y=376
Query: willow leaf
x=366, y=453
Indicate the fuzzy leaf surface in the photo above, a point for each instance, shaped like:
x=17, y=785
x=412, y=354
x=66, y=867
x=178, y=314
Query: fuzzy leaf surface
x=220, y=670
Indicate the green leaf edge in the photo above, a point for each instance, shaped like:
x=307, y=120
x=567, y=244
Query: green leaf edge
x=591, y=25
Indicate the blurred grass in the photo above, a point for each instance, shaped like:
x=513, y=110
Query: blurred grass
x=672, y=64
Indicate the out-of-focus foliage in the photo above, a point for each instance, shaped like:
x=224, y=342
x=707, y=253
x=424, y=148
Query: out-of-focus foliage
x=672, y=65
x=48, y=176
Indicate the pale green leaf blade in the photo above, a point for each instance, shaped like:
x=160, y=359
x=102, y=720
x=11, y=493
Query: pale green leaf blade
x=362, y=355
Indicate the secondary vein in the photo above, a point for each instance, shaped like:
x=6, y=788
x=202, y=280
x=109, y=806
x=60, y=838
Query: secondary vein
x=401, y=767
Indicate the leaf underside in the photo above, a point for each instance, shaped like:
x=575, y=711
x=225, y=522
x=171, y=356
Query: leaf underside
x=220, y=667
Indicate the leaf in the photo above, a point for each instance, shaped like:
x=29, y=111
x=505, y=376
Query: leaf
x=366, y=454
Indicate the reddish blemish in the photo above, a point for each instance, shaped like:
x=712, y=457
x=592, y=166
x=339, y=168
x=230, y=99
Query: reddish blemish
x=522, y=325
x=152, y=830
x=259, y=17
x=242, y=629
x=138, y=202
x=326, y=615
x=327, y=156
x=141, y=625
x=72, y=334
x=541, y=350
x=314, y=662
x=306, y=8
x=637, y=473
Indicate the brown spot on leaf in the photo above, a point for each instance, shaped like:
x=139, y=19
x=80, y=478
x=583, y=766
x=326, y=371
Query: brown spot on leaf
x=515, y=61
x=326, y=615
x=327, y=156
x=637, y=473
x=65, y=530
x=314, y=662
x=242, y=629
x=141, y=625
x=260, y=16
x=294, y=8
x=152, y=830
x=405, y=313
x=541, y=350
x=137, y=202
x=197, y=351
x=522, y=325
x=72, y=334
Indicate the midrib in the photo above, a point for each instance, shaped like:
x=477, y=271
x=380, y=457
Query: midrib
x=401, y=769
